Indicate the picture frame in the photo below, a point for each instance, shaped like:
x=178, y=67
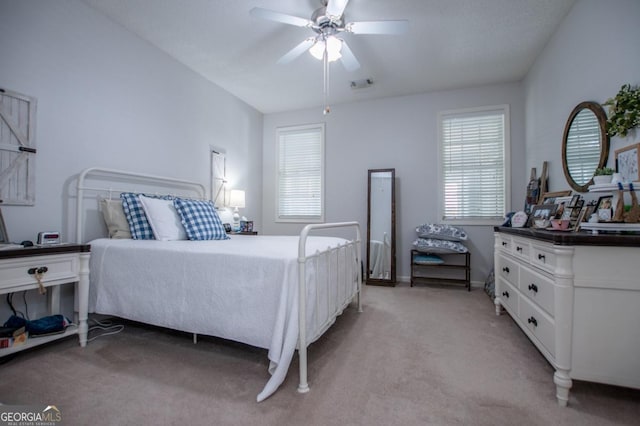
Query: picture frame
x=4, y=236
x=581, y=217
x=627, y=160
x=541, y=211
x=550, y=197
x=562, y=206
x=575, y=200
x=604, y=208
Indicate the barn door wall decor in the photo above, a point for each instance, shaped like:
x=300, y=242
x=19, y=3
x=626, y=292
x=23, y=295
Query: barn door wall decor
x=17, y=149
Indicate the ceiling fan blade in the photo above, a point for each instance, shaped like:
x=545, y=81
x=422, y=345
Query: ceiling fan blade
x=271, y=15
x=378, y=27
x=335, y=8
x=297, y=51
x=348, y=58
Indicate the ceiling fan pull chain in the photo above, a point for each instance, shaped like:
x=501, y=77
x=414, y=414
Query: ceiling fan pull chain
x=325, y=61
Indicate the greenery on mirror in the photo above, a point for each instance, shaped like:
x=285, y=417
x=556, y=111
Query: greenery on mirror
x=605, y=171
x=624, y=111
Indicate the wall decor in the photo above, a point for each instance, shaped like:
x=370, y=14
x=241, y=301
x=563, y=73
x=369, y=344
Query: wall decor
x=4, y=237
x=17, y=148
x=627, y=160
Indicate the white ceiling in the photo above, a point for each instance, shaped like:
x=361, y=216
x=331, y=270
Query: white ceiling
x=450, y=44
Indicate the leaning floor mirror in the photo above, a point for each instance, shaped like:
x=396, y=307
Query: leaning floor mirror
x=381, y=228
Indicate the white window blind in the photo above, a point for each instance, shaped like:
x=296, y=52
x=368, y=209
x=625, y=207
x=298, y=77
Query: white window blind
x=300, y=174
x=474, y=176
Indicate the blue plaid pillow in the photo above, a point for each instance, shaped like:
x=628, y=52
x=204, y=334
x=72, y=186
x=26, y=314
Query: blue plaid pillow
x=200, y=220
x=138, y=223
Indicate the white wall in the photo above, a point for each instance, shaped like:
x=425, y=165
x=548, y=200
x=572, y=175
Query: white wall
x=398, y=133
x=107, y=98
x=592, y=54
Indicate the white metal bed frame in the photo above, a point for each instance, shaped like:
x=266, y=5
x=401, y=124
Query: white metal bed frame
x=351, y=269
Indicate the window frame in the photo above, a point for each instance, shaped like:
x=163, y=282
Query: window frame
x=504, y=109
x=301, y=219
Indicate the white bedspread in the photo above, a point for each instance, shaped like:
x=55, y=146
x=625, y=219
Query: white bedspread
x=244, y=289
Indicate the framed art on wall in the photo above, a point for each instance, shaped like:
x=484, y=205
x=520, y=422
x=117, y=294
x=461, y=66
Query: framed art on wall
x=4, y=238
x=627, y=160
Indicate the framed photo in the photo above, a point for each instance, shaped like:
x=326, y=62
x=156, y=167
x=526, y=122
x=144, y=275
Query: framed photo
x=604, y=208
x=550, y=197
x=575, y=200
x=627, y=160
x=605, y=202
x=4, y=237
x=562, y=206
x=541, y=211
x=581, y=217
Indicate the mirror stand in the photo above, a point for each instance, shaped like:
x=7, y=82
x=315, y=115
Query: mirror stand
x=381, y=228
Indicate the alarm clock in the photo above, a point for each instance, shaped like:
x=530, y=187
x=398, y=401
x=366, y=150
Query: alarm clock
x=45, y=238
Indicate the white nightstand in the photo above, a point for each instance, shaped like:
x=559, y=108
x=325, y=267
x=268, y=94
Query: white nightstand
x=59, y=264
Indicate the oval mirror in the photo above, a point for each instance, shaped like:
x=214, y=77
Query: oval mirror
x=585, y=144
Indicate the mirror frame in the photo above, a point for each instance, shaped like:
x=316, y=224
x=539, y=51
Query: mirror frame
x=391, y=282
x=597, y=109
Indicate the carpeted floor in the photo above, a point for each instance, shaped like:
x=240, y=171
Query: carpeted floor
x=415, y=356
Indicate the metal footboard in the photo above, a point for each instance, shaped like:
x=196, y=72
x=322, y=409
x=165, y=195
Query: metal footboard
x=348, y=285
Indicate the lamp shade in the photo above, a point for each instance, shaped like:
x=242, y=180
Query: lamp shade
x=236, y=199
x=333, y=46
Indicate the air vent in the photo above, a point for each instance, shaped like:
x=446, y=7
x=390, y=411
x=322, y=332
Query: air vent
x=362, y=84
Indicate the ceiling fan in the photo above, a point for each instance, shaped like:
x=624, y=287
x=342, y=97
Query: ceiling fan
x=328, y=23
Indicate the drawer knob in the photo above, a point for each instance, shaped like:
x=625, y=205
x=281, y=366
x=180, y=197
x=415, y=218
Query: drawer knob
x=505, y=294
x=505, y=269
x=504, y=244
x=533, y=287
x=519, y=248
x=533, y=321
x=39, y=271
x=541, y=257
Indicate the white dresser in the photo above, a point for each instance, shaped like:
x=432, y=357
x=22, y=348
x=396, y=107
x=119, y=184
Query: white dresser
x=577, y=297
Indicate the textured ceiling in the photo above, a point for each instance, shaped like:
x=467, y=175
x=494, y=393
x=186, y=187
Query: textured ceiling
x=450, y=44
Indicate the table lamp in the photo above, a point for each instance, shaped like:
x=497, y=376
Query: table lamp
x=236, y=200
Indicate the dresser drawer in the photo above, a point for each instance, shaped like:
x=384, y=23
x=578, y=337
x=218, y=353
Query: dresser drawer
x=504, y=242
x=538, y=323
x=15, y=272
x=521, y=249
x=543, y=258
x=508, y=269
x=538, y=289
x=508, y=296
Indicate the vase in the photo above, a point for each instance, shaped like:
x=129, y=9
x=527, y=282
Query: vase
x=602, y=179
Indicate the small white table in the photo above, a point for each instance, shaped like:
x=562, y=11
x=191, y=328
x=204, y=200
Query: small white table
x=57, y=265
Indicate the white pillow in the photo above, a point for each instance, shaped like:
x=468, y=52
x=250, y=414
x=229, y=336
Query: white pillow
x=163, y=218
x=115, y=219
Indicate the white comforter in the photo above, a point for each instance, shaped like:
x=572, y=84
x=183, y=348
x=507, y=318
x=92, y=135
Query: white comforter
x=244, y=289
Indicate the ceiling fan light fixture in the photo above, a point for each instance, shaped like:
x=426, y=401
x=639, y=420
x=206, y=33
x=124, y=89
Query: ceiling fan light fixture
x=333, y=45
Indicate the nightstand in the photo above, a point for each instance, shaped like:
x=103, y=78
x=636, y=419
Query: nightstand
x=57, y=265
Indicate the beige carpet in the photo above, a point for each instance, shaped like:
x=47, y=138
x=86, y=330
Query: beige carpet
x=415, y=356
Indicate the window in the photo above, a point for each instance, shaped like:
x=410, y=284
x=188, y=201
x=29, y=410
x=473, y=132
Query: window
x=300, y=168
x=474, y=183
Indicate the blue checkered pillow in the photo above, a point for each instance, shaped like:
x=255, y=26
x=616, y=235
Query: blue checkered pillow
x=200, y=220
x=138, y=223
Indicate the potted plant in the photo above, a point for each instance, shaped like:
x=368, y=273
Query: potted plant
x=624, y=111
x=603, y=176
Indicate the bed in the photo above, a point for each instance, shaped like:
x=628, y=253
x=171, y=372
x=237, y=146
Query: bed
x=280, y=293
